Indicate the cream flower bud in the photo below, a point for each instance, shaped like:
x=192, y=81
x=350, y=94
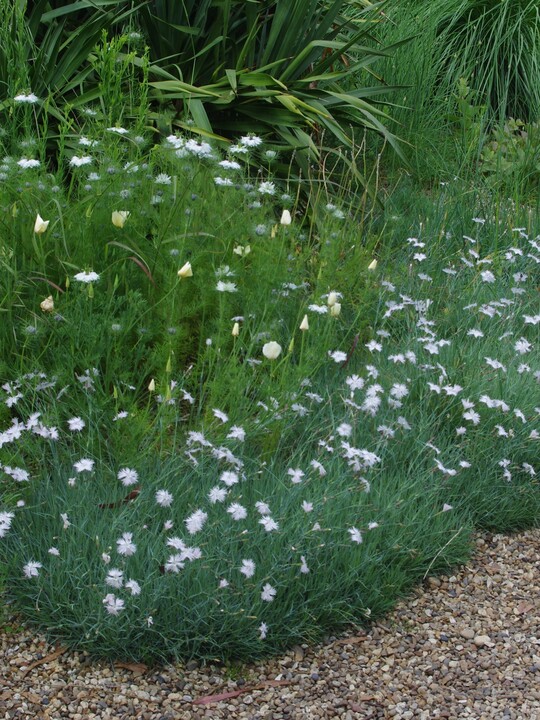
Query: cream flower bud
x=333, y=297
x=47, y=305
x=119, y=218
x=372, y=265
x=271, y=350
x=235, y=330
x=40, y=225
x=335, y=309
x=286, y=218
x=185, y=271
x=304, y=325
x=152, y=385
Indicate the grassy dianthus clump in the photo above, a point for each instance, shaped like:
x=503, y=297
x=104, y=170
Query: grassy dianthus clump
x=225, y=431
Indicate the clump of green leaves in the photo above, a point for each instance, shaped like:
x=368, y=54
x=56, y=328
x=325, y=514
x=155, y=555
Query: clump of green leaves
x=276, y=69
x=511, y=157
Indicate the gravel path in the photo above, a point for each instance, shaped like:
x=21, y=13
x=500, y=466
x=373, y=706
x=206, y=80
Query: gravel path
x=464, y=646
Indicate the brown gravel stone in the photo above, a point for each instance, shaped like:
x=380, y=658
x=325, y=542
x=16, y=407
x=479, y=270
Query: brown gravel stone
x=466, y=646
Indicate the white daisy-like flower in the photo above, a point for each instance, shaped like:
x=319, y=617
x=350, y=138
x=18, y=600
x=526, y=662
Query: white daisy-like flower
x=402, y=422
x=473, y=416
x=399, y=391
x=84, y=465
x=337, y=355
x=450, y=472
x=80, y=160
x=223, y=182
x=237, y=511
x=303, y=567
x=319, y=309
x=237, y=433
x=86, y=277
x=263, y=631
x=344, y=430
x=202, y=149
x=29, y=99
x=229, y=478
x=356, y=535
x=248, y=568
x=268, y=593
x=195, y=522
x=163, y=179
x=18, y=474
x=250, y=141
x=113, y=605
x=267, y=188
x=54, y=551
x=133, y=586
x=5, y=522
x=316, y=465
x=118, y=130
x=495, y=364
x=226, y=287
x=27, y=163
x=296, y=475
x=230, y=165
x=125, y=545
x=115, y=578
x=262, y=508
x=307, y=507
x=164, y=498
x=31, y=569
x=220, y=415
x=355, y=382
x=175, y=563
x=217, y=494
x=127, y=476
x=76, y=424
x=522, y=346
x=268, y=523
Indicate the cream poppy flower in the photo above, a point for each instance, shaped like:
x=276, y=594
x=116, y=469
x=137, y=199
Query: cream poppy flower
x=333, y=297
x=185, y=271
x=40, y=225
x=271, y=350
x=286, y=218
x=48, y=304
x=119, y=218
